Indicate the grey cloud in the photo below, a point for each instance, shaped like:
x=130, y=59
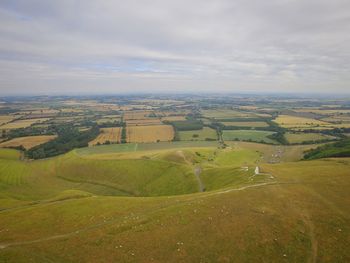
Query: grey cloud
x=219, y=45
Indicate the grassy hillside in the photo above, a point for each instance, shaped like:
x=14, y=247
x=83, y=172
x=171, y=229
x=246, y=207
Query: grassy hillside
x=35, y=180
x=338, y=149
x=301, y=216
x=144, y=205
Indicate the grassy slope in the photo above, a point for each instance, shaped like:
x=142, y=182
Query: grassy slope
x=304, y=137
x=45, y=178
x=301, y=215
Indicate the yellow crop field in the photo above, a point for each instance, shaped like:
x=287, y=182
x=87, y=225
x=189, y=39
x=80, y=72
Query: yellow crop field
x=107, y=134
x=5, y=118
x=246, y=123
x=302, y=137
x=170, y=113
x=28, y=141
x=337, y=119
x=151, y=133
x=136, y=115
x=71, y=110
x=288, y=121
x=324, y=111
x=226, y=114
x=41, y=111
x=143, y=122
x=173, y=118
x=23, y=123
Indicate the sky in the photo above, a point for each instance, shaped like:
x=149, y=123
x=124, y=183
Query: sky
x=100, y=46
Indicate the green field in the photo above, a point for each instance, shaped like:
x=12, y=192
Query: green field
x=198, y=135
x=226, y=114
x=135, y=147
x=246, y=135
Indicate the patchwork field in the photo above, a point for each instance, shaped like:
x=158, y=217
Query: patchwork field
x=324, y=111
x=151, y=133
x=174, y=193
x=152, y=121
x=225, y=114
x=28, y=141
x=173, y=118
x=113, y=135
x=288, y=121
x=198, y=135
x=141, y=147
x=137, y=115
x=252, y=124
x=274, y=153
x=6, y=118
x=108, y=119
x=305, y=137
x=245, y=135
x=337, y=119
x=23, y=123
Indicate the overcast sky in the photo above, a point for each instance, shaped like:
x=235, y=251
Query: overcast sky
x=94, y=46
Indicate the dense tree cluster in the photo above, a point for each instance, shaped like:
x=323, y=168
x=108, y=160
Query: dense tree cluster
x=68, y=138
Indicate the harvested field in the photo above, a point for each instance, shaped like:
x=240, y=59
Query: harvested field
x=225, y=114
x=337, y=119
x=246, y=123
x=288, y=121
x=5, y=119
x=40, y=111
x=112, y=134
x=179, y=112
x=23, y=123
x=71, y=110
x=28, y=141
x=151, y=133
x=174, y=118
x=137, y=115
x=143, y=122
x=324, y=111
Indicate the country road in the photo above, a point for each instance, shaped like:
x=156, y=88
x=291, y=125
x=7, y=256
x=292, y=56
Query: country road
x=197, y=172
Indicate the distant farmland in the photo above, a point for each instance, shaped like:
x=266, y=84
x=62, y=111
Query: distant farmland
x=23, y=123
x=198, y=135
x=151, y=133
x=247, y=135
x=28, y=141
x=304, y=137
x=141, y=122
x=252, y=124
x=107, y=134
x=5, y=118
x=287, y=121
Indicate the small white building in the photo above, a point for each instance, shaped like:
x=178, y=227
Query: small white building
x=257, y=170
